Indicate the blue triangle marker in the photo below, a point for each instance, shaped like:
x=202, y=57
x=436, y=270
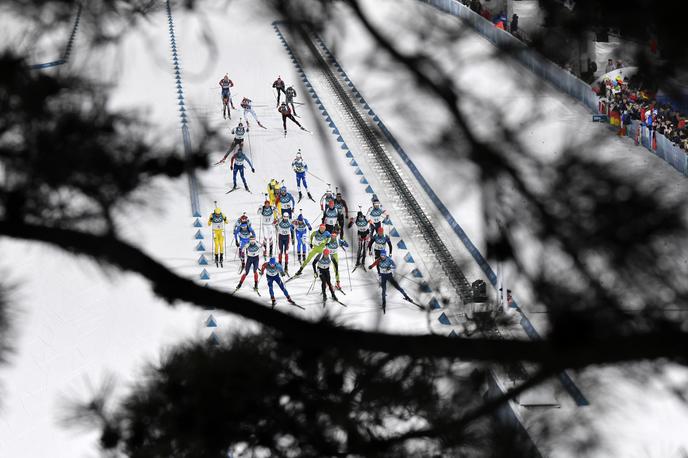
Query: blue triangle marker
x=213, y=340
x=363, y=180
x=197, y=223
x=416, y=273
x=369, y=190
x=328, y=119
x=370, y=112
x=198, y=235
x=210, y=322
x=344, y=146
x=408, y=258
x=435, y=304
x=394, y=232
x=353, y=163
x=376, y=119
x=200, y=247
x=444, y=319
x=401, y=245
x=425, y=288
x=205, y=275
x=349, y=154
x=181, y=101
x=202, y=261
x=453, y=334
x=335, y=131
x=366, y=106
x=331, y=124
x=358, y=172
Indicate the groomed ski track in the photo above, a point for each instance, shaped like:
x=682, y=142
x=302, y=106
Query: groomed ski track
x=78, y=326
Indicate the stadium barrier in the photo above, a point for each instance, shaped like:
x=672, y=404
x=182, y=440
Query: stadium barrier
x=552, y=73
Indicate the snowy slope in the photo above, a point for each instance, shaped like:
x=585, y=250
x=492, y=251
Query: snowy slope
x=76, y=324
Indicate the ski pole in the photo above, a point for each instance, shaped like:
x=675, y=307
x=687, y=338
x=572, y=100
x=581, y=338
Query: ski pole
x=312, y=285
x=348, y=272
x=317, y=177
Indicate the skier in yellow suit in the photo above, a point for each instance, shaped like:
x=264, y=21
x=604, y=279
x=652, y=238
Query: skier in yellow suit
x=218, y=221
x=273, y=192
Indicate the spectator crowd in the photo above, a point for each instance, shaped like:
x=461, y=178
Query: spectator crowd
x=625, y=100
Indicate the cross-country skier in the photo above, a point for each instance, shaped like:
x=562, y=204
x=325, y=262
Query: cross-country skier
x=376, y=214
x=225, y=84
x=242, y=236
x=330, y=215
x=317, y=242
x=290, y=95
x=243, y=219
x=300, y=169
x=285, y=230
x=378, y=241
x=247, y=105
x=385, y=267
x=301, y=226
x=279, y=87
x=273, y=271
x=273, y=192
x=268, y=217
x=333, y=246
x=326, y=198
x=252, y=259
x=363, y=230
x=322, y=262
x=343, y=210
x=286, y=201
x=218, y=221
x=239, y=131
x=236, y=164
x=285, y=111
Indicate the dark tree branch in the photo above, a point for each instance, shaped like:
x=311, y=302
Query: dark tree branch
x=170, y=286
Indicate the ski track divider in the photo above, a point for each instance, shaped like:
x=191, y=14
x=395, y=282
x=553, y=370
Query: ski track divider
x=525, y=323
x=210, y=322
x=68, y=48
x=415, y=274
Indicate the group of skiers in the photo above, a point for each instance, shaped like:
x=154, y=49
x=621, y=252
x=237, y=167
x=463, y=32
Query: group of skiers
x=280, y=229
x=286, y=109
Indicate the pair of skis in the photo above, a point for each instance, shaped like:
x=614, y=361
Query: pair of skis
x=301, y=197
x=235, y=188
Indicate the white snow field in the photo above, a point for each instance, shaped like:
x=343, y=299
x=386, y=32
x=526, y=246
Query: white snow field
x=76, y=324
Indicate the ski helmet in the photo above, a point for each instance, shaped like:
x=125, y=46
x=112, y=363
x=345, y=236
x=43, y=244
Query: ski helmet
x=244, y=226
x=383, y=253
x=272, y=261
x=283, y=189
x=243, y=218
x=360, y=214
x=322, y=227
x=285, y=215
x=326, y=252
x=339, y=194
x=380, y=230
x=298, y=153
x=217, y=210
x=326, y=234
x=300, y=218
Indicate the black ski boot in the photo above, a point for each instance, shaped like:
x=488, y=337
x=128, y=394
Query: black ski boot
x=222, y=257
x=272, y=299
x=384, y=307
x=324, y=299
x=309, y=196
x=238, y=287
x=300, y=195
x=217, y=260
